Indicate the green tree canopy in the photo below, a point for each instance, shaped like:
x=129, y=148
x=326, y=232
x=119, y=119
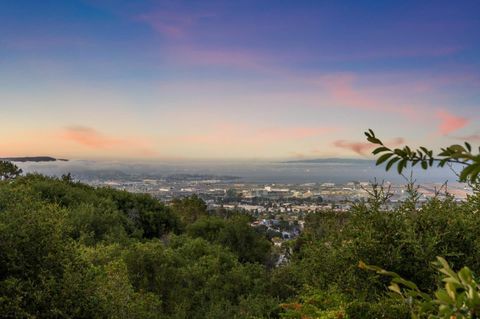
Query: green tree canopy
x=8, y=170
x=189, y=209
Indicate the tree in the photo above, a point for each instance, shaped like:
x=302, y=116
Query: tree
x=8, y=170
x=234, y=233
x=42, y=274
x=189, y=209
x=453, y=154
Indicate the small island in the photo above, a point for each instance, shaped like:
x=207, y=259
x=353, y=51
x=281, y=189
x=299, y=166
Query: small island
x=33, y=159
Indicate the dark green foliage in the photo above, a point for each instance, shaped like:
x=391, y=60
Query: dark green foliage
x=386, y=308
x=8, y=170
x=208, y=228
x=195, y=278
x=234, y=233
x=41, y=272
x=147, y=213
x=68, y=250
x=103, y=213
x=189, y=209
x=242, y=239
x=404, y=241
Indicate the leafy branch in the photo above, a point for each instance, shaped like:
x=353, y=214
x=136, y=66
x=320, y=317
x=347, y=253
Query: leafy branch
x=458, y=298
x=453, y=154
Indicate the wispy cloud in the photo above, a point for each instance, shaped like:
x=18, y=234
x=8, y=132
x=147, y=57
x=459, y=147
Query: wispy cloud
x=341, y=88
x=450, y=122
x=92, y=139
x=361, y=148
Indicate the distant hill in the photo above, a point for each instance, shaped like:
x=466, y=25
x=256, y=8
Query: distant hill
x=332, y=161
x=33, y=159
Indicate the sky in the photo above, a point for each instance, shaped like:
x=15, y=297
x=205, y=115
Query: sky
x=152, y=79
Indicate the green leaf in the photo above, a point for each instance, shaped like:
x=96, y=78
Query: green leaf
x=400, y=152
x=443, y=297
x=424, y=164
x=468, y=146
x=407, y=150
x=474, y=174
x=457, y=148
x=383, y=158
x=380, y=149
x=391, y=162
x=374, y=140
x=467, y=171
x=395, y=288
x=465, y=275
x=424, y=149
x=451, y=290
x=405, y=282
x=401, y=165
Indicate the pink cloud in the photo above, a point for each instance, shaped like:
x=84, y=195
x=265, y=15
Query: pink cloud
x=342, y=90
x=450, y=122
x=93, y=139
x=90, y=138
x=361, y=148
x=358, y=147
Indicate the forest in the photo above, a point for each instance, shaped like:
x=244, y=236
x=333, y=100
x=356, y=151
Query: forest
x=69, y=250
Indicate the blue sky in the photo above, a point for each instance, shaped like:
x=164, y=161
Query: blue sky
x=236, y=79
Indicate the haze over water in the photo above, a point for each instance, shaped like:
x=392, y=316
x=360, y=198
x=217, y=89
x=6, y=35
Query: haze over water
x=262, y=172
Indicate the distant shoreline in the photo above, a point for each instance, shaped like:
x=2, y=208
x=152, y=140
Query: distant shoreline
x=33, y=159
x=330, y=161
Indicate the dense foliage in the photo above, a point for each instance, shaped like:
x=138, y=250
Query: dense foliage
x=68, y=250
x=404, y=241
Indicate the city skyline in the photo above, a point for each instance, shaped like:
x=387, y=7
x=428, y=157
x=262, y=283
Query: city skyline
x=235, y=80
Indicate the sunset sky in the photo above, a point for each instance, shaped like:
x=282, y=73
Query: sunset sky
x=235, y=79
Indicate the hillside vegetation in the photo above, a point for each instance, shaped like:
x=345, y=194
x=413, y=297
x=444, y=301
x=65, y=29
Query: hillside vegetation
x=68, y=250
